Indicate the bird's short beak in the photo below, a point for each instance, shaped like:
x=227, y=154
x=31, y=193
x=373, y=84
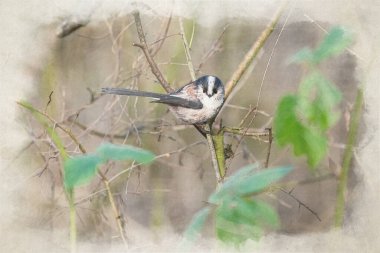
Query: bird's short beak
x=209, y=95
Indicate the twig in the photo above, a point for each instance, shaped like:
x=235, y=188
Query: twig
x=270, y=138
x=249, y=58
x=187, y=50
x=252, y=109
x=244, y=131
x=251, y=54
x=55, y=123
x=217, y=156
x=161, y=41
x=104, y=179
x=300, y=203
x=214, y=48
x=144, y=47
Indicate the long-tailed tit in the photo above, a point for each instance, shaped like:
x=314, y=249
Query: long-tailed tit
x=194, y=103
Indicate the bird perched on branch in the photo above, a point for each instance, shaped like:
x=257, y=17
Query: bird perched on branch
x=194, y=103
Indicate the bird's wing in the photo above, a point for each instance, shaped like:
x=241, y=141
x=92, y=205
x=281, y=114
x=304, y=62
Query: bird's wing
x=179, y=101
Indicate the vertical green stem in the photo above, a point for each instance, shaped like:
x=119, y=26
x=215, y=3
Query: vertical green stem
x=347, y=157
x=73, y=226
x=219, y=151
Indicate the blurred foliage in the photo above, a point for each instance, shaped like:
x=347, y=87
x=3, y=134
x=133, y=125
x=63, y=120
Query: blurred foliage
x=238, y=217
x=81, y=169
x=304, y=118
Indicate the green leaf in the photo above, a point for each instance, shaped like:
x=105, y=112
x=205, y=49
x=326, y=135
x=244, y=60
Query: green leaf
x=80, y=170
x=246, y=182
x=197, y=223
x=334, y=43
x=240, y=219
x=288, y=129
x=304, y=55
x=108, y=151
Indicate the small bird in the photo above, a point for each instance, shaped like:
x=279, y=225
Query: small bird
x=194, y=103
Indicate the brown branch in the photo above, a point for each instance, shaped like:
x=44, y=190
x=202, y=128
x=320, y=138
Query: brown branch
x=215, y=47
x=270, y=138
x=300, y=203
x=252, y=53
x=161, y=41
x=144, y=47
x=104, y=179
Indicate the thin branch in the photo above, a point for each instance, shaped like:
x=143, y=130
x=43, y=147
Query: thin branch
x=164, y=36
x=215, y=47
x=217, y=161
x=144, y=47
x=55, y=123
x=270, y=138
x=187, y=50
x=249, y=58
x=300, y=203
x=252, y=53
x=104, y=179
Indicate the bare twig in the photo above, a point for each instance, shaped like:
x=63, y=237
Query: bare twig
x=249, y=58
x=300, y=203
x=144, y=47
x=104, y=179
x=270, y=138
x=187, y=50
x=164, y=36
x=251, y=54
x=215, y=47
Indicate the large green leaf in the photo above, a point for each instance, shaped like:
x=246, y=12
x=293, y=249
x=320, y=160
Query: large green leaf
x=289, y=129
x=80, y=170
x=108, y=151
x=246, y=182
x=316, y=100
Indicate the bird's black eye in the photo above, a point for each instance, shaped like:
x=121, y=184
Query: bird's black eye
x=204, y=89
x=214, y=90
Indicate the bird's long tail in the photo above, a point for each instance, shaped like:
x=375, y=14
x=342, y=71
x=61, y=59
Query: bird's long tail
x=137, y=93
x=168, y=99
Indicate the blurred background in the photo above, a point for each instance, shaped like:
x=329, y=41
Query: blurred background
x=165, y=195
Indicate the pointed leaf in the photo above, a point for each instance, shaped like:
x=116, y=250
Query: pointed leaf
x=248, y=183
x=334, y=43
x=108, y=151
